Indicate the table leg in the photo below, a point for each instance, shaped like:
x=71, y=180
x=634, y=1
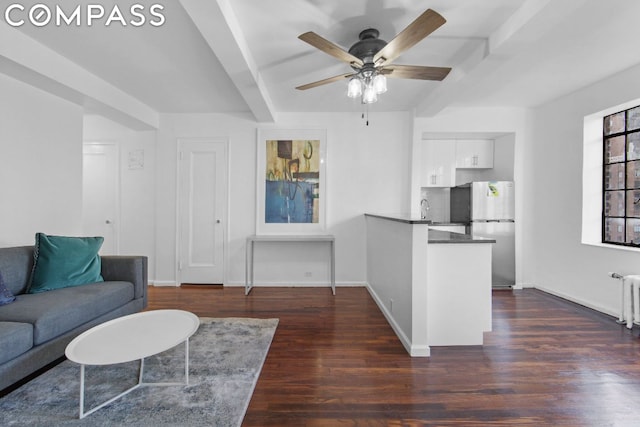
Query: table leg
x=249, y=267
x=186, y=361
x=81, y=391
x=333, y=266
x=246, y=267
x=141, y=371
x=140, y=383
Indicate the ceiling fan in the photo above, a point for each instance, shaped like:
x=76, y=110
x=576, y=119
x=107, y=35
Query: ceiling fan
x=371, y=58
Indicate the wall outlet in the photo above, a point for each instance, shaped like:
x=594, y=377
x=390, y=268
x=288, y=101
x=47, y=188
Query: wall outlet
x=307, y=274
x=391, y=305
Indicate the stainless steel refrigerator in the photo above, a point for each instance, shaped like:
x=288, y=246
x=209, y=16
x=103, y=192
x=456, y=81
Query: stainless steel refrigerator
x=487, y=208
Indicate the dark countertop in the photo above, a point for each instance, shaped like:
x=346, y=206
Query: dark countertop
x=435, y=236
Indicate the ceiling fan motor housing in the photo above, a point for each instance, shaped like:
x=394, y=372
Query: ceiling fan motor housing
x=368, y=46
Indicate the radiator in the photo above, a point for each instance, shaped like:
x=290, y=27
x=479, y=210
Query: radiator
x=629, y=299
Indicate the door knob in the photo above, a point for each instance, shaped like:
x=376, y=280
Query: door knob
x=217, y=221
x=107, y=222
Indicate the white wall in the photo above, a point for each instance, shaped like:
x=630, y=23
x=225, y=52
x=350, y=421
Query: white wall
x=137, y=185
x=367, y=171
x=40, y=164
x=559, y=262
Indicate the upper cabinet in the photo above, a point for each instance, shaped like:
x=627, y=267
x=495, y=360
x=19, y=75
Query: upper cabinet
x=438, y=163
x=474, y=153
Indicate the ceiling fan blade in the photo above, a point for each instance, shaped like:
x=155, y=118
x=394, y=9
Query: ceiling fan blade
x=324, y=81
x=424, y=25
x=415, y=72
x=330, y=48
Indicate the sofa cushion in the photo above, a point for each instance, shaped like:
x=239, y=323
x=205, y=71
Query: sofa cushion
x=6, y=297
x=15, y=339
x=57, y=312
x=61, y=262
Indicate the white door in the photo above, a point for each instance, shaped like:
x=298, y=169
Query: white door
x=100, y=194
x=201, y=211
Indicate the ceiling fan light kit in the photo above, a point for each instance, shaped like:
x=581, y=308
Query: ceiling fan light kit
x=366, y=87
x=371, y=57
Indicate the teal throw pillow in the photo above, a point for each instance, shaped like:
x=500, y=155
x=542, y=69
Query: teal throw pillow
x=6, y=297
x=61, y=262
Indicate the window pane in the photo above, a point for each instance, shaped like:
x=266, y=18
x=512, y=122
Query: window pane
x=614, y=149
x=633, y=146
x=614, y=202
x=614, y=123
x=633, y=174
x=633, y=119
x=614, y=177
x=633, y=204
x=614, y=230
x=633, y=231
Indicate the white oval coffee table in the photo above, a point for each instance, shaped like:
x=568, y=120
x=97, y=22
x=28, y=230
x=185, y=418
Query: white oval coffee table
x=130, y=338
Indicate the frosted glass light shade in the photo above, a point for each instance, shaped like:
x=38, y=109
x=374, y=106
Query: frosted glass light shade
x=354, y=89
x=370, y=96
x=380, y=84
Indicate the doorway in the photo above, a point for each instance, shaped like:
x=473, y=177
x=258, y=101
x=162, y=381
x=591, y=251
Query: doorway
x=201, y=211
x=101, y=194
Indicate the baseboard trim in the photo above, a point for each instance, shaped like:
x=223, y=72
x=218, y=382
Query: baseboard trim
x=579, y=301
x=298, y=284
x=162, y=283
x=413, y=350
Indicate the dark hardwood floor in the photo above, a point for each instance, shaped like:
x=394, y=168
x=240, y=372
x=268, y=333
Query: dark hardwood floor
x=335, y=361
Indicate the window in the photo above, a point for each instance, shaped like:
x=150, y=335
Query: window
x=621, y=178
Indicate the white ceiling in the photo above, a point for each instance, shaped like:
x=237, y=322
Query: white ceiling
x=234, y=56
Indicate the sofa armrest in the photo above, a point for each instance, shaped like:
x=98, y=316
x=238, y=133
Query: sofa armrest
x=127, y=269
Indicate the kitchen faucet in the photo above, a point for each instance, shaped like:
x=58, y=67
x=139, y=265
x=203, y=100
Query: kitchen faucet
x=424, y=208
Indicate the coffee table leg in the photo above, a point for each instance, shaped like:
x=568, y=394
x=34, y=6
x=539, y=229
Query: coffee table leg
x=140, y=383
x=141, y=371
x=81, y=391
x=186, y=361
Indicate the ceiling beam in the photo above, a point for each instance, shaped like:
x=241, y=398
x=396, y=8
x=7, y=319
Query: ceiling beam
x=475, y=52
x=530, y=22
x=26, y=60
x=219, y=26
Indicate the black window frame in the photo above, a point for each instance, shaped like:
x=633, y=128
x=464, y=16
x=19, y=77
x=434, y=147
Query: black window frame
x=630, y=163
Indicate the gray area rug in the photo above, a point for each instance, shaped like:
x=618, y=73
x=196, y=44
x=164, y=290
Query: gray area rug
x=226, y=356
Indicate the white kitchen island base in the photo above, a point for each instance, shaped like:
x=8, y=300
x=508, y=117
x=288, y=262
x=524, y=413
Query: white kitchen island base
x=434, y=287
x=459, y=294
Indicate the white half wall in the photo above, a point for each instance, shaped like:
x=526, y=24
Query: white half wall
x=40, y=164
x=397, y=279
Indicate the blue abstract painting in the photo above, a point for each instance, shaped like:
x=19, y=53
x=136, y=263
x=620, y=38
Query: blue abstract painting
x=292, y=181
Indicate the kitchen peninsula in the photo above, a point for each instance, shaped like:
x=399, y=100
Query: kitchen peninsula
x=434, y=287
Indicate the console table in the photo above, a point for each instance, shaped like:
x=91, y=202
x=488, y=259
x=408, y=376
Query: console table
x=251, y=241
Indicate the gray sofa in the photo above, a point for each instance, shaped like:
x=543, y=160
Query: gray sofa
x=36, y=328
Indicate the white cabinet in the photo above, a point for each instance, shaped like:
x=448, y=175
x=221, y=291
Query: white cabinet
x=474, y=154
x=438, y=163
